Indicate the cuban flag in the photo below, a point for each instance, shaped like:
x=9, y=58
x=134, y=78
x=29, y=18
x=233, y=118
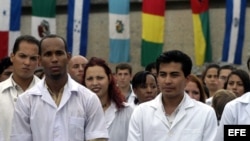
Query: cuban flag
x=235, y=31
x=10, y=14
x=119, y=31
x=77, y=27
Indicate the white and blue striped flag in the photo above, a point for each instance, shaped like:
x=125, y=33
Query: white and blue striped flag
x=119, y=31
x=77, y=27
x=235, y=31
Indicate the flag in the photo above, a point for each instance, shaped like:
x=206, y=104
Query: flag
x=119, y=32
x=235, y=31
x=202, y=45
x=43, y=20
x=77, y=26
x=153, y=22
x=10, y=14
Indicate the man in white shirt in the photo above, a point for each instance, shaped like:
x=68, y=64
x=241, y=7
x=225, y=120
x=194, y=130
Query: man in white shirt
x=123, y=77
x=173, y=115
x=25, y=58
x=58, y=108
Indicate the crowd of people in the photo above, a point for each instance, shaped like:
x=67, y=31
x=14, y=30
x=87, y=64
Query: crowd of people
x=47, y=94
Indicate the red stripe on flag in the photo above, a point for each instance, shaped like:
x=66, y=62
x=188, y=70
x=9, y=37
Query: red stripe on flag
x=3, y=44
x=199, y=6
x=155, y=7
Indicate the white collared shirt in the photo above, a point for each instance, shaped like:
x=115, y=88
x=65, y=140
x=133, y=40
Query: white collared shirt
x=79, y=115
x=9, y=91
x=195, y=121
x=117, y=121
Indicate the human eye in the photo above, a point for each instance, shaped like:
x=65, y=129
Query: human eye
x=240, y=84
x=209, y=76
x=59, y=53
x=223, y=78
x=153, y=86
x=76, y=66
x=47, y=54
x=89, y=78
x=143, y=86
x=34, y=58
x=230, y=83
x=22, y=56
x=100, y=77
x=196, y=92
x=162, y=74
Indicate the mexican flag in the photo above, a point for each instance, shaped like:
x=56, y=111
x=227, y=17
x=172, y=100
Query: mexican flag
x=43, y=20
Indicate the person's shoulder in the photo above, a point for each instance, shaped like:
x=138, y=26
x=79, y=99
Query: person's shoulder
x=242, y=100
x=202, y=106
x=5, y=84
x=128, y=106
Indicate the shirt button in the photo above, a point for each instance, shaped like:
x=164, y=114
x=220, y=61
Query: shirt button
x=15, y=99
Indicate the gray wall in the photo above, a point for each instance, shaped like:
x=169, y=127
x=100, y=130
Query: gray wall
x=178, y=33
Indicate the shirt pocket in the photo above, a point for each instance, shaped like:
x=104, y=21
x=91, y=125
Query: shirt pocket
x=192, y=134
x=76, y=128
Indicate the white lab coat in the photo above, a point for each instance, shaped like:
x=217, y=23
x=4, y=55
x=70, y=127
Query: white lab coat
x=8, y=96
x=78, y=117
x=195, y=121
x=235, y=112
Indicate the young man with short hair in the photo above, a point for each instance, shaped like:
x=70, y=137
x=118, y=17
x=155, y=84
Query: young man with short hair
x=25, y=59
x=58, y=108
x=173, y=115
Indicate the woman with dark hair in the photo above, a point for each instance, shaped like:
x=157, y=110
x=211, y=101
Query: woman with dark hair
x=238, y=81
x=144, y=85
x=211, y=81
x=99, y=79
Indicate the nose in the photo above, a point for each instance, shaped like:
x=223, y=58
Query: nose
x=54, y=58
x=168, y=79
x=234, y=86
x=94, y=82
x=149, y=89
x=81, y=68
x=27, y=61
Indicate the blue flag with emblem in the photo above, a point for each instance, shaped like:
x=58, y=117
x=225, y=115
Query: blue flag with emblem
x=77, y=27
x=235, y=31
x=119, y=31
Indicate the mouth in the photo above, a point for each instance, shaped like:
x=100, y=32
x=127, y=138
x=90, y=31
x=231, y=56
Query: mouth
x=149, y=98
x=55, y=68
x=26, y=69
x=96, y=90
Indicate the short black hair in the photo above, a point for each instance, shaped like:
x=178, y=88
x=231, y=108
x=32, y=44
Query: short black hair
x=26, y=38
x=226, y=67
x=248, y=64
x=140, y=78
x=178, y=57
x=54, y=36
x=150, y=66
x=4, y=64
x=123, y=66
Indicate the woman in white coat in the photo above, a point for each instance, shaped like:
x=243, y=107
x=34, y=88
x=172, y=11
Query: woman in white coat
x=99, y=79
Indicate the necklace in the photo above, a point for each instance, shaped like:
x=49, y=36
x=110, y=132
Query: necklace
x=104, y=105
